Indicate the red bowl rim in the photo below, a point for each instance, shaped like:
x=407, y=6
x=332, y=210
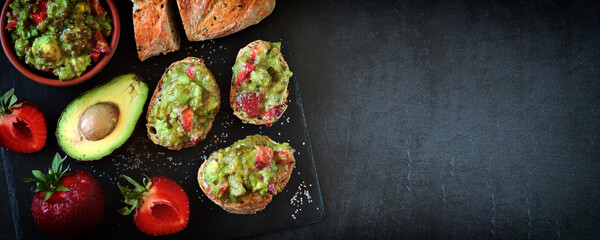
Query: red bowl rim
x=12, y=57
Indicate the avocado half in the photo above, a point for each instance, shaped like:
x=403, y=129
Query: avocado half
x=102, y=119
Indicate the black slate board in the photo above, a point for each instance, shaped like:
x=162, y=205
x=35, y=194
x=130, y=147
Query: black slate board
x=300, y=202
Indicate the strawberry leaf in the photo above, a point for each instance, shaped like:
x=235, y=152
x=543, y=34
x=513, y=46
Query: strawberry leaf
x=133, y=197
x=49, y=183
x=48, y=194
x=62, y=188
x=39, y=175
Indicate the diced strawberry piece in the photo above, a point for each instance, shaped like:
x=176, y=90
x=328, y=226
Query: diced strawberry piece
x=272, y=188
x=250, y=103
x=244, y=73
x=191, y=72
x=264, y=155
x=282, y=157
x=223, y=189
x=97, y=9
x=186, y=119
x=41, y=14
x=37, y=17
x=11, y=26
x=101, y=44
x=272, y=114
x=95, y=56
x=24, y=129
x=252, y=55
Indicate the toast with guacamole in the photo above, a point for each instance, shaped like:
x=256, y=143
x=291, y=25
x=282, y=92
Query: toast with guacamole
x=209, y=19
x=259, y=83
x=244, y=177
x=184, y=105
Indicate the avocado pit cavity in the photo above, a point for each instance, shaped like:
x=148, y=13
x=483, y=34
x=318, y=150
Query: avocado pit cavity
x=98, y=121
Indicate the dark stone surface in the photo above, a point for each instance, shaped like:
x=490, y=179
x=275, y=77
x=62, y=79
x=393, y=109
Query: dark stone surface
x=461, y=120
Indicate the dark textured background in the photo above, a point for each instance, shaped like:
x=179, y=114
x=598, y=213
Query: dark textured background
x=470, y=119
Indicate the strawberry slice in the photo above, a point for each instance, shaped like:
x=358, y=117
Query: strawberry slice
x=244, y=73
x=264, y=155
x=186, y=119
x=273, y=114
x=97, y=9
x=250, y=103
x=22, y=124
x=161, y=206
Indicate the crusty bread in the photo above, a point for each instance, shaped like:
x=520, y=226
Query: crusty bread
x=157, y=97
x=208, y=19
x=237, y=110
x=154, y=28
x=252, y=202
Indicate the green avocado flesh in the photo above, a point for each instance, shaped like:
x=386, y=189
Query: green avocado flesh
x=102, y=119
x=234, y=171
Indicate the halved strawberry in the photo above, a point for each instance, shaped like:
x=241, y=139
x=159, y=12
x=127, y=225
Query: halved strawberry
x=66, y=203
x=250, y=103
x=22, y=124
x=186, y=119
x=161, y=206
x=264, y=155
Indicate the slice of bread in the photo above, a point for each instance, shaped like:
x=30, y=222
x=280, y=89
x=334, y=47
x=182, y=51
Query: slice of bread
x=154, y=28
x=235, y=92
x=208, y=19
x=251, y=202
x=157, y=98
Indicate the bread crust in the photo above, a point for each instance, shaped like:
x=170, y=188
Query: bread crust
x=237, y=110
x=209, y=19
x=154, y=28
x=251, y=202
x=156, y=98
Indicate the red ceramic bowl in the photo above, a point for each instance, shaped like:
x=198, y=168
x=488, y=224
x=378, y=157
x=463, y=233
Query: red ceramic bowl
x=45, y=78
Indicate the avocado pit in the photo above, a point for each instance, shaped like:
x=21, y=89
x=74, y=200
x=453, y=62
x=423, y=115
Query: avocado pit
x=98, y=121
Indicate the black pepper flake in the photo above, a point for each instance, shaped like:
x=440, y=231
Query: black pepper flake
x=240, y=6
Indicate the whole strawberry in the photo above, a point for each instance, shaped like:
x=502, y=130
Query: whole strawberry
x=66, y=203
x=161, y=206
x=22, y=124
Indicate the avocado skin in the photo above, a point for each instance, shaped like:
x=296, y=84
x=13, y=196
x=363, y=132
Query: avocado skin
x=128, y=92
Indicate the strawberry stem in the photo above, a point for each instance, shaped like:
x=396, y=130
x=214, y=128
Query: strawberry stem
x=7, y=102
x=133, y=197
x=50, y=183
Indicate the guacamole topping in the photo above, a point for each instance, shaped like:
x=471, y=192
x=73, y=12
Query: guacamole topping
x=59, y=36
x=261, y=80
x=185, y=110
x=248, y=166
